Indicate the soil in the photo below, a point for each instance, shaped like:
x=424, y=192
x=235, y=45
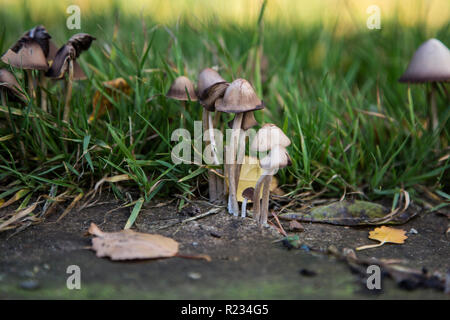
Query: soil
x=247, y=262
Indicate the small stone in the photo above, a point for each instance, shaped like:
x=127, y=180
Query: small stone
x=413, y=231
x=195, y=244
x=215, y=234
x=308, y=273
x=194, y=275
x=30, y=284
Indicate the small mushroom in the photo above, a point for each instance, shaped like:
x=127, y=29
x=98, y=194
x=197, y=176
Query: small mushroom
x=430, y=63
x=10, y=88
x=30, y=53
x=64, y=62
x=210, y=87
x=182, y=89
x=239, y=97
x=272, y=138
x=247, y=194
x=277, y=158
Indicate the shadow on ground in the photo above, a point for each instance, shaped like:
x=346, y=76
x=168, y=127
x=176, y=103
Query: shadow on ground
x=246, y=262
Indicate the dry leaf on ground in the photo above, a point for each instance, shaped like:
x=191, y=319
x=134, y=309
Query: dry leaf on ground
x=250, y=173
x=130, y=245
x=384, y=235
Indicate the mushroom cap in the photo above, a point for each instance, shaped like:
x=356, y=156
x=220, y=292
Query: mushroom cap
x=430, y=63
x=239, y=97
x=61, y=63
x=277, y=158
x=81, y=42
x=248, y=193
x=179, y=87
x=268, y=137
x=13, y=89
x=207, y=78
x=248, y=121
x=29, y=55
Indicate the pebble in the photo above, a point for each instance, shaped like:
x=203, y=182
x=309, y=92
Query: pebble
x=413, y=231
x=194, y=275
x=30, y=284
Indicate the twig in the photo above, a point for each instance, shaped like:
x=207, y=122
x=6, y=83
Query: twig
x=197, y=217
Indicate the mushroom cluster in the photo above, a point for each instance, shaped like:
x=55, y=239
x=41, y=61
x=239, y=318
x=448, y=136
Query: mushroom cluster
x=35, y=51
x=239, y=98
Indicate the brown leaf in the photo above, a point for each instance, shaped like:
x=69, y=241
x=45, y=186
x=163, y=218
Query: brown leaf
x=130, y=245
x=385, y=234
x=113, y=88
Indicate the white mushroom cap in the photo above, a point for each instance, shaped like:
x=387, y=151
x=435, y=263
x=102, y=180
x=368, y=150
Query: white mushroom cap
x=277, y=158
x=268, y=137
x=430, y=63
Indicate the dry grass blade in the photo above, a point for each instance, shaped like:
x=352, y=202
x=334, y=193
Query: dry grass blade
x=19, y=215
x=70, y=207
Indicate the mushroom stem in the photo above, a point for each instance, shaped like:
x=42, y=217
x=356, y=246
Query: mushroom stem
x=256, y=197
x=212, y=138
x=31, y=90
x=244, y=208
x=232, y=200
x=43, y=85
x=212, y=185
x=68, y=93
x=21, y=144
x=265, y=200
x=434, y=113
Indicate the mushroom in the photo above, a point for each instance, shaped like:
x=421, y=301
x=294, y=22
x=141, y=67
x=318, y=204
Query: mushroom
x=239, y=97
x=430, y=63
x=11, y=90
x=30, y=53
x=272, y=138
x=64, y=62
x=211, y=86
x=182, y=89
x=247, y=194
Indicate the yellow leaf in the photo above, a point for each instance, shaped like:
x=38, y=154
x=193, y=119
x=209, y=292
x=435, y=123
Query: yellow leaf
x=118, y=178
x=19, y=194
x=250, y=173
x=384, y=235
x=113, y=88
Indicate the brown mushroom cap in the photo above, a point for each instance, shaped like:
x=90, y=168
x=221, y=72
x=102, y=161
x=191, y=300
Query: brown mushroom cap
x=30, y=50
x=248, y=121
x=268, y=137
x=29, y=56
x=210, y=87
x=430, y=63
x=239, y=97
x=179, y=87
x=81, y=42
x=61, y=62
x=277, y=158
x=248, y=193
x=9, y=83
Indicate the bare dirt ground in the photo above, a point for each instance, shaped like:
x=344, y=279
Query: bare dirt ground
x=246, y=262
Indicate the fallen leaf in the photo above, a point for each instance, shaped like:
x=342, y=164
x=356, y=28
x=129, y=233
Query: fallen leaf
x=384, y=235
x=250, y=173
x=352, y=213
x=130, y=245
x=112, y=88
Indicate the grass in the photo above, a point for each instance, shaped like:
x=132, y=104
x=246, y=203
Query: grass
x=353, y=127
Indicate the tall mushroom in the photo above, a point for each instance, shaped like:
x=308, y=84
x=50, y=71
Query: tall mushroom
x=30, y=53
x=64, y=62
x=239, y=97
x=211, y=86
x=278, y=158
x=430, y=63
x=267, y=138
